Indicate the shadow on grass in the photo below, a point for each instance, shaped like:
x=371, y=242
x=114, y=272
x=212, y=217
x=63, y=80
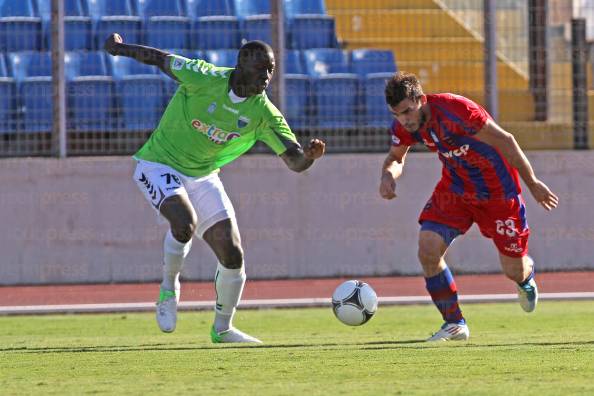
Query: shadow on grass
x=373, y=345
x=168, y=347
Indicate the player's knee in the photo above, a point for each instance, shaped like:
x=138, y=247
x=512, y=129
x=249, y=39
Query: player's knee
x=183, y=230
x=429, y=252
x=232, y=257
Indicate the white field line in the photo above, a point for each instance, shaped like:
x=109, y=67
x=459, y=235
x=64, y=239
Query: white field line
x=269, y=303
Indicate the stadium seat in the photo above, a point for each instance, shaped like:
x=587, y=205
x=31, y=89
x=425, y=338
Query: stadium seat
x=365, y=61
x=20, y=27
x=90, y=92
x=77, y=24
x=298, y=7
x=293, y=64
x=323, y=61
x=111, y=16
x=312, y=31
x=202, y=8
x=165, y=24
x=245, y=8
x=336, y=100
x=214, y=32
x=7, y=106
x=140, y=93
x=225, y=57
x=297, y=101
x=375, y=112
x=167, y=32
x=257, y=27
x=32, y=72
x=7, y=100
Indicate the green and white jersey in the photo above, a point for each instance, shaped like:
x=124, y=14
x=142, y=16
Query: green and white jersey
x=202, y=128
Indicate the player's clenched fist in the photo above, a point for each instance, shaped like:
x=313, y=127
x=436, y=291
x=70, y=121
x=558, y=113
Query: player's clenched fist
x=387, y=187
x=315, y=149
x=111, y=43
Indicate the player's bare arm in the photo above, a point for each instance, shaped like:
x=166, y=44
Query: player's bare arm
x=298, y=159
x=505, y=142
x=115, y=46
x=391, y=170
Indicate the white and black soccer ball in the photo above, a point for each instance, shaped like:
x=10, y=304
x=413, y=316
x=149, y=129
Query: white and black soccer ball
x=354, y=302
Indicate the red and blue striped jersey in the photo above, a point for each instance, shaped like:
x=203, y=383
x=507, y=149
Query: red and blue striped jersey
x=471, y=167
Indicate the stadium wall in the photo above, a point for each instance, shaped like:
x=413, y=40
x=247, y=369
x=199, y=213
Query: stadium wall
x=82, y=220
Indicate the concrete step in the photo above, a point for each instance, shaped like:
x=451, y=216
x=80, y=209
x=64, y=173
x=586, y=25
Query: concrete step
x=467, y=76
x=361, y=24
x=332, y=5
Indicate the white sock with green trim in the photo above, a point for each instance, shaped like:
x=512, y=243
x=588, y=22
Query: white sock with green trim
x=174, y=255
x=228, y=286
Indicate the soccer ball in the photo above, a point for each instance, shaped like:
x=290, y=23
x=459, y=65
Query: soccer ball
x=354, y=302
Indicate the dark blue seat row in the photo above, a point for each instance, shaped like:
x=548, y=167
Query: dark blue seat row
x=117, y=93
x=205, y=24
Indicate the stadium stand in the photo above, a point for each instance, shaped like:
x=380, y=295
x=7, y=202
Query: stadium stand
x=223, y=57
x=202, y=8
x=165, y=23
x=140, y=93
x=257, y=27
x=300, y=7
x=312, y=31
x=77, y=24
x=366, y=61
x=32, y=72
x=20, y=26
x=114, y=16
x=251, y=7
x=336, y=100
x=90, y=92
x=323, y=61
x=7, y=99
x=375, y=112
x=215, y=32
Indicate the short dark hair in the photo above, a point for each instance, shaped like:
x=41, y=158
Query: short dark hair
x=252, y=50
x=402, y=86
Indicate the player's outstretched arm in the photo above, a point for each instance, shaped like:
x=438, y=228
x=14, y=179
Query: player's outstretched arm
x=115, y=46
x=506, y=143
x=391, y=170
x=298, y=159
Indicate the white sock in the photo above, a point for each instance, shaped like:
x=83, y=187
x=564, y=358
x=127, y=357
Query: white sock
x=228, y=286
x=174, y=255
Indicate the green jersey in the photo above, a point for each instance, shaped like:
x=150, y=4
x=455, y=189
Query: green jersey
x=203, y=128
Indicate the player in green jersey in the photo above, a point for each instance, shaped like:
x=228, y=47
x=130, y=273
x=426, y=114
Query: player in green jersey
x=216, y=115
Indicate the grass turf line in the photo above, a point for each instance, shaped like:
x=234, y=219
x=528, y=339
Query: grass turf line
x=306, y=352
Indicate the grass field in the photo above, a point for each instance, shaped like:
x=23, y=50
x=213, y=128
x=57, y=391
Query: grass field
x=306, y=352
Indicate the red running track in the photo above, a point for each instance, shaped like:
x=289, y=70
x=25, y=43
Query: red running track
x=552, y=282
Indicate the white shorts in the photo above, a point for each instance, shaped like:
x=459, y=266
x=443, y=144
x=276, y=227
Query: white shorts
x=207, y=194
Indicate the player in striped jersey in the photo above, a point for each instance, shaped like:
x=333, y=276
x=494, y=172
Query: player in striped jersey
x=480, y=184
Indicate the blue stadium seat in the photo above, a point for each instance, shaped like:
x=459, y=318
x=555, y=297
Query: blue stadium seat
x=90, y=93
x=111, y=16
x=320, y=62
x=20, y=27
x=7, y=100
x=8, y=118
x=365, y=61
x=257, y=27
x=201, y=8
x=297, y=101
x=165, y=23
x=167, y=32
x=298, y=7
x=312, y=31
x=77, y=24
x=150, y=8
x=251, y=7
x=214, y=32
x=140, y=93
x=375, y=109
x=336, y=100
x=293, y=64
x=224, y=57
x=32, y=72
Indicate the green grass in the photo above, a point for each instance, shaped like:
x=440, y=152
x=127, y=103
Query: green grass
x=306, y=352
